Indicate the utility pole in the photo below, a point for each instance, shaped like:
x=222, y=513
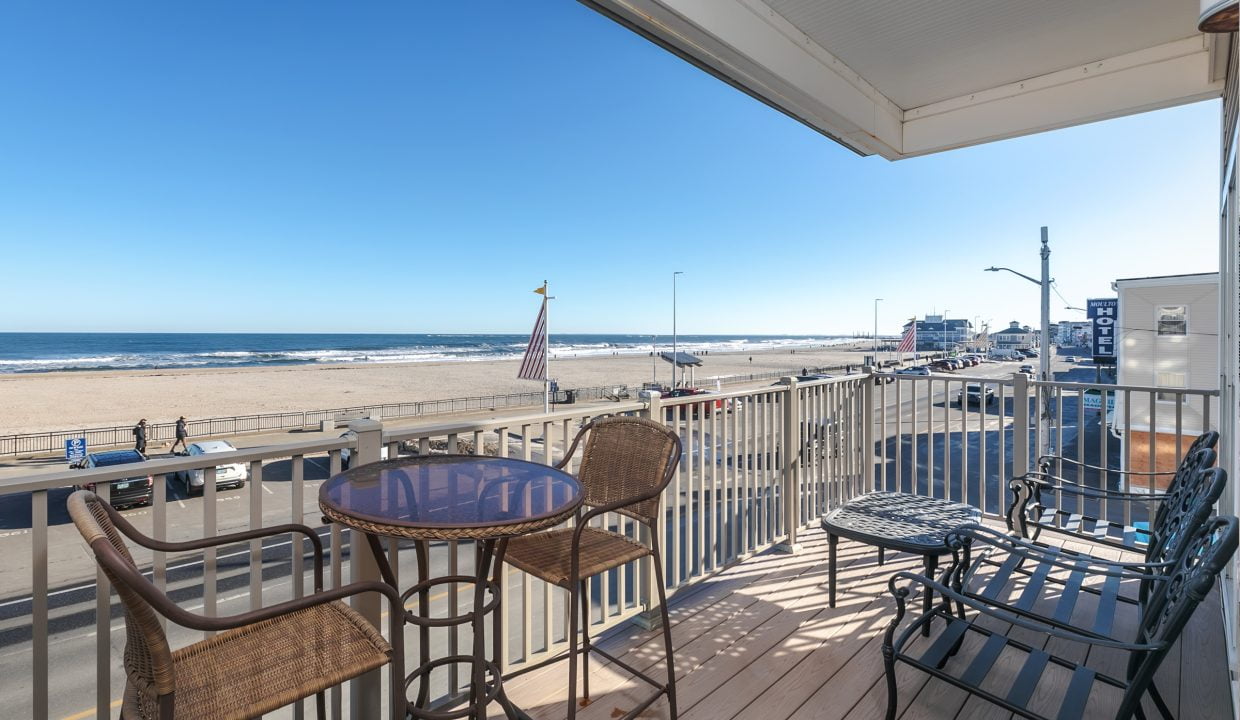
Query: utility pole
x=1044, y=358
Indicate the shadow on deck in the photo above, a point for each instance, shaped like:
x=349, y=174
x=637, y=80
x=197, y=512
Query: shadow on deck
x=758, y=642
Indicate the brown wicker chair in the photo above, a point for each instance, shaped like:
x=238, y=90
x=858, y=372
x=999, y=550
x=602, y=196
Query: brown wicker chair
x=260, y=660
x=625, y=465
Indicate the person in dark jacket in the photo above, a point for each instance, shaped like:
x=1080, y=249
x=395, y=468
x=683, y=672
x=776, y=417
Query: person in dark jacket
x=182, y=433
x=139, y=436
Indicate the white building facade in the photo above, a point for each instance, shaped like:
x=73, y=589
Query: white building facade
x=1167, y=337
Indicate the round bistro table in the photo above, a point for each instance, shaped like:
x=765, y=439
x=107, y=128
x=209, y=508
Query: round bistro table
x=897, y=521
x=452, y=497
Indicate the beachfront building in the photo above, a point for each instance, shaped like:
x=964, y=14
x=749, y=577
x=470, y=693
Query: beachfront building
x=935, y=332
x=1168, y=338
x=753, y=635
x=1073, y=333
x=1015, y=337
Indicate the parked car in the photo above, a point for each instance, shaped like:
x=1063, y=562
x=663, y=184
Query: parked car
x=1071, y=358
x=915, y=370
x=123, y=493
x=346, y=454
x=1026, y=369
x=975, y=394
x=883, y=378
x=226, y=476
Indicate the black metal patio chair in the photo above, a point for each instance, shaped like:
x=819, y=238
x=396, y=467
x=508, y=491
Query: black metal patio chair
x=1169, y=609
x=1044, y=502
x=1046, y=583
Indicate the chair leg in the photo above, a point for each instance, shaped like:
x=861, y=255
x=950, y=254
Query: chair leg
x=320, y=705
x=573, y=590
x=667, y=636
x=585, y=643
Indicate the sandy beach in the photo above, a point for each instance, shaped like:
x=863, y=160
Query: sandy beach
x=72, y=400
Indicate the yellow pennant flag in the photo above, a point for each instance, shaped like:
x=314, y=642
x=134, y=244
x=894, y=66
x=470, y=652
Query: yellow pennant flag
x=541, y=290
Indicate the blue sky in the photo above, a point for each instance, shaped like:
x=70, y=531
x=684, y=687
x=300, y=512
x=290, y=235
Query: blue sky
x=419, y=167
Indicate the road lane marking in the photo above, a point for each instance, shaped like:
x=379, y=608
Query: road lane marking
x=89, y=713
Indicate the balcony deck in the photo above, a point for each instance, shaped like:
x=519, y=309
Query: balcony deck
x=758, y=642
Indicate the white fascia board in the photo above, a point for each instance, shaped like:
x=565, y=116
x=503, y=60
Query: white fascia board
x=755, y=49
x=1162, y=76
x=1167, y=281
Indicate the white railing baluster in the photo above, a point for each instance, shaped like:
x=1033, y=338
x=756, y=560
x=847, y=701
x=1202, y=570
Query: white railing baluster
x=210, y=527
x=103, y=629
x=256, y=546
x=38, y=605
x=159, y=531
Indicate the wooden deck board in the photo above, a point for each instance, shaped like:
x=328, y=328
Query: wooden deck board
x=758, y=642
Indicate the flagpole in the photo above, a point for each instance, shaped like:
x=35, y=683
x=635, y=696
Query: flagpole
x=546, y=353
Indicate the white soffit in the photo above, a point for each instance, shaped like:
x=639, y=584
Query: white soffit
x=900, y=78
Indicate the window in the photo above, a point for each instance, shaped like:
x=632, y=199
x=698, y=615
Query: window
x=1172, y=320
x=1170, y=380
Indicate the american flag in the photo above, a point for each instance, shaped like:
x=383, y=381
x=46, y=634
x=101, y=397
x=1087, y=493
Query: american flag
x=908, y=343
x=534, y=364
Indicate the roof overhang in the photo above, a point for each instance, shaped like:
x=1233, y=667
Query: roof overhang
x=942, y=75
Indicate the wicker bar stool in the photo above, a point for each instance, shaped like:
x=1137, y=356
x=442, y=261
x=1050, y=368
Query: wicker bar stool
x=625, y=465
x=260, y=660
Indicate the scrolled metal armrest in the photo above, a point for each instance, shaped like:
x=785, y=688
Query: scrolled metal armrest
x=1034, y=477
x=1048, y=459
x=1066, y=559
x=951, y=596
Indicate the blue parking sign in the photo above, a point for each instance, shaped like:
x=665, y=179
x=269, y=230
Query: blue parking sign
x=75, y=449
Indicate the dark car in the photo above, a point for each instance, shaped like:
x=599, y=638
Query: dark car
x=976, y=394
x=124, y=493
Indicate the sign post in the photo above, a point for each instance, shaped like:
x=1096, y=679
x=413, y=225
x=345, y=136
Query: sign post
x=75, y=450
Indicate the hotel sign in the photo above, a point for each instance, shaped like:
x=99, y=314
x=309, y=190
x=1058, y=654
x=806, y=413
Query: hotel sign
x=1105, y=313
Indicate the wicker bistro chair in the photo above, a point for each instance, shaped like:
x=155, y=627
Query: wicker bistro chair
x=625, y=465
x=260, y=660
x=1025, y=643
x=1031, y=513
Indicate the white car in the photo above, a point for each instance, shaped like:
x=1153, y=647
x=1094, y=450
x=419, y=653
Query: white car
x=231, y=475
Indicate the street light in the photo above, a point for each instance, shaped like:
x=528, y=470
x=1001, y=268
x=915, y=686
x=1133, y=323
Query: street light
x=675, y=353
x=875, y=358
x=1044, y=359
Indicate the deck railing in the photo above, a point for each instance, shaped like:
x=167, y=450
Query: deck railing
x=758, y=465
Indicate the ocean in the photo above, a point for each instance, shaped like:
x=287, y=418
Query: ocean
x=58, y=352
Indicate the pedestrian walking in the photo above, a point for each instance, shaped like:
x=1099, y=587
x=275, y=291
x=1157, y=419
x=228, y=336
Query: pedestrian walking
x=139, y=436
x=182, y=433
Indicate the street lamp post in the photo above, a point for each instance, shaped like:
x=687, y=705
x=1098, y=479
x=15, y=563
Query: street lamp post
x=875, y=358
x=675, y=352
x=1044, y=358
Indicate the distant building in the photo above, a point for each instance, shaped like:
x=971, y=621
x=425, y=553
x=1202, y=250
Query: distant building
x=937, y=333
x=1167, y=337
x=1074, y=333
x=1014, y=337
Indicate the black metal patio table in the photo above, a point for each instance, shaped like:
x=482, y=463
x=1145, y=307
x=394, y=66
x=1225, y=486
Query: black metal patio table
x=452, y=497
x=896, y=521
